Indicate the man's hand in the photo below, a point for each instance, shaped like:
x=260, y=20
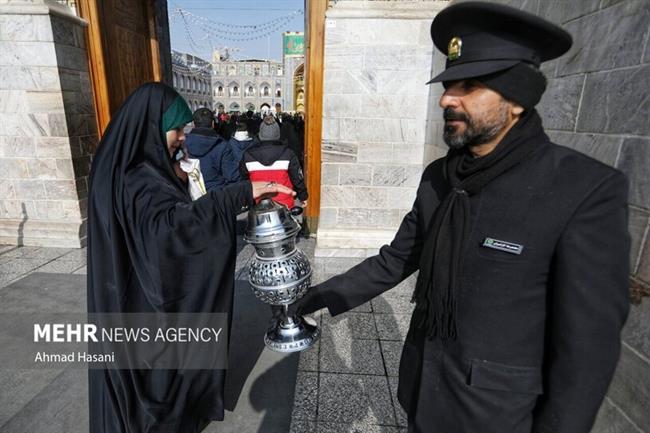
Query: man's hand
x=311, y=302
x=269, y=189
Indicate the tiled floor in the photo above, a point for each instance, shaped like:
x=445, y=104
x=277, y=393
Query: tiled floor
x=345, y=384
x=348, y=383
x=17, y=262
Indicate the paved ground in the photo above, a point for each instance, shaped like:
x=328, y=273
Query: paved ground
x=345, y=384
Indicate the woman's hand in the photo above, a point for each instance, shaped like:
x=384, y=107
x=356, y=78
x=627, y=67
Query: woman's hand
x=269, y=189
x=179, y=172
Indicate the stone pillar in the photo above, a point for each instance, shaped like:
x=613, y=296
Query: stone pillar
x=48, y=131
x=377, y=131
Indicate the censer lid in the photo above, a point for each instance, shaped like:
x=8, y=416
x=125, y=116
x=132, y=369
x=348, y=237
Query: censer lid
x=269, y=221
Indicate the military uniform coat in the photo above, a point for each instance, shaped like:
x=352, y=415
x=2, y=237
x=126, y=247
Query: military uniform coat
x=538, y=332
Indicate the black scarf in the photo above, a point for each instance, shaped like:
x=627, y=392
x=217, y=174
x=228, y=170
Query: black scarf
x=442, y=253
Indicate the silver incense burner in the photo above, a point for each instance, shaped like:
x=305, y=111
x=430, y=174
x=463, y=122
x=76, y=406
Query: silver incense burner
x=280, y=274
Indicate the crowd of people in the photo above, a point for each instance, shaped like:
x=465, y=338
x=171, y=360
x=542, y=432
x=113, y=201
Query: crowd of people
x=265, y=146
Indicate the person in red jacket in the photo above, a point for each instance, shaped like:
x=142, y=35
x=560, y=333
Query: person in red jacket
x=272, y=161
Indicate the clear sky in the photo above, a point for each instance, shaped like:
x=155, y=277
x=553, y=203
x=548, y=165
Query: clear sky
x=213, y=23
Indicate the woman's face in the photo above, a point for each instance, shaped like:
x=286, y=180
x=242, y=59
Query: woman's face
x=175, y=140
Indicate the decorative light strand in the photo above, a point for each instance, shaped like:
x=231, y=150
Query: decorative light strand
x=205, y=28
x=179, y=10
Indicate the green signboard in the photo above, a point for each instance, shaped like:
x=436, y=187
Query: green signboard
x=294, y=44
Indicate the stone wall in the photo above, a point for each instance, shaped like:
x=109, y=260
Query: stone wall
x=378, y=57
x=47, y=124
x=597, y=103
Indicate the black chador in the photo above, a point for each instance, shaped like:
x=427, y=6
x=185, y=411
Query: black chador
x=151, y=249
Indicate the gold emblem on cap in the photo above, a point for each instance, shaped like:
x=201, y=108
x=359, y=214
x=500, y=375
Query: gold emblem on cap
x=454, y=48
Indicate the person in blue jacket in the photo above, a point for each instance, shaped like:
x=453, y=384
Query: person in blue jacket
x=236, y=147
x=204, y=144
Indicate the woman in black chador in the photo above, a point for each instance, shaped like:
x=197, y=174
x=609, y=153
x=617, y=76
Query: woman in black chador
x=152, y=249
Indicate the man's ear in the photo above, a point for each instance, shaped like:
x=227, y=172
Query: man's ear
x=516, y=109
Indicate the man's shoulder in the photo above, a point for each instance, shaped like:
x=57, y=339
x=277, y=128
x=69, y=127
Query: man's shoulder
x=434, y=170
x=573, y=164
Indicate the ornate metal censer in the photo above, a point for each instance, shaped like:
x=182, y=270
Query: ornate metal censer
x=280, y=274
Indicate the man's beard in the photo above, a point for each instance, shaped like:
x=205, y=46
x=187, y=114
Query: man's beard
x=477, y=131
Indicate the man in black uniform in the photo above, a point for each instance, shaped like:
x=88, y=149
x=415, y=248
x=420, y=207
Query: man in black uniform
x=521, y=246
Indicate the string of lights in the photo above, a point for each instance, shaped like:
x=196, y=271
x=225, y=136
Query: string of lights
x=252, y=27
x=207, y=27
x=203, y=34
x=216, y=26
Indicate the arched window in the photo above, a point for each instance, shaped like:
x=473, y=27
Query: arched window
x=175, y=80
x=278, y=93
x=235, y=91
x=220, y=91
x=250, y=91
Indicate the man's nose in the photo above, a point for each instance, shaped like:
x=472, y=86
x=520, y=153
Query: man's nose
x=448, y=100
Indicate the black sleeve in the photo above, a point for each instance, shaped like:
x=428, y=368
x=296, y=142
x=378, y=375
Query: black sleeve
x=242, y=166
x=168, y=236
x=297, y=179
x=588, y=305
x=375, y=275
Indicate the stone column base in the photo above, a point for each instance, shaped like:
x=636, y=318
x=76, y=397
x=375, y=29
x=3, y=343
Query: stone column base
x=351, y=242
x=43, y=233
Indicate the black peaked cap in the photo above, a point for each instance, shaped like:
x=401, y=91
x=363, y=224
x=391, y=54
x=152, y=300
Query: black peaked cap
x=481, y=38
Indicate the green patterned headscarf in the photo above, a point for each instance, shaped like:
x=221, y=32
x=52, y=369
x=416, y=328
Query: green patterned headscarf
x=177, y=115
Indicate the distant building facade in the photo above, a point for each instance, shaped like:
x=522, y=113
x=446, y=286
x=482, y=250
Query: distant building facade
x=192, y=78
x=242, y=85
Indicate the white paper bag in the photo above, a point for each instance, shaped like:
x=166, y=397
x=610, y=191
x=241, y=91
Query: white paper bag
x=196, y=185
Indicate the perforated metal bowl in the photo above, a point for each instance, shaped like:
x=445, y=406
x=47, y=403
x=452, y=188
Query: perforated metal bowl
x=280, y=281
